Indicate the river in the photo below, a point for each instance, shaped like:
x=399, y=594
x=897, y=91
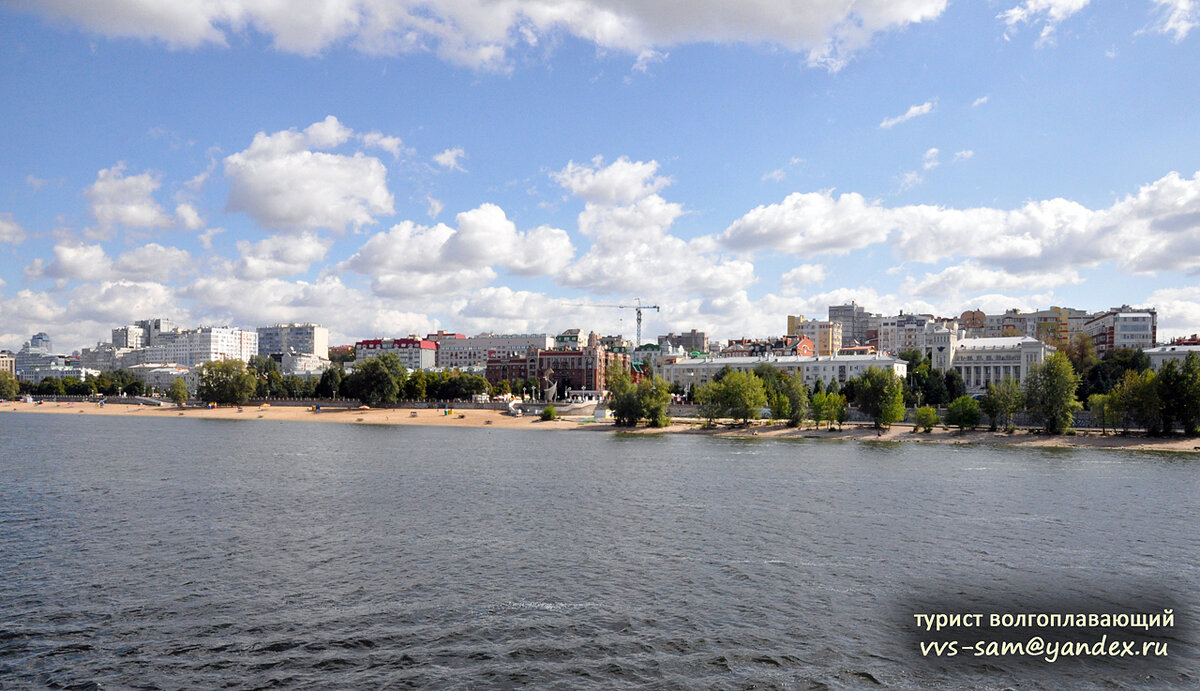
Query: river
x=203, y=553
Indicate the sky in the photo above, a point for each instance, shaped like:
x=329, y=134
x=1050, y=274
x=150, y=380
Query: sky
x=389, y=167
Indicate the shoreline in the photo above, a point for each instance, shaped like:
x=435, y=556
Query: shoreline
x=494, y=419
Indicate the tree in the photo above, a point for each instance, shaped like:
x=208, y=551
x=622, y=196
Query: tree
x=50, y=386
x=955, y=386
x=623, y=399
x=818, y=386
x=1002, y=401
x=654, y=398
x=1136, y=397
x=549, y=413
x=743, y=396
x=262, y=364
x=137, y=388
x=1082, y=355
x=924, y=418
x=225, y=382
x=373, y=383
x=331, y=382
x=708, y=401
x=178, y=391
x=963, y=412
x=880, y=396
x=823, y=408
x=1170, y=390
x=1050, y=393
x=1104, y=413
x=78, y=387
x=796, y=394
x=416, y=387
x=935, y=388
x=341, y=357
x=9, y=388
x=1188, y=411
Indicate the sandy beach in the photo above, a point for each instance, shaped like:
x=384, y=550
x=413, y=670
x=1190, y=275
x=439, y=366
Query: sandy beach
x=499, y=420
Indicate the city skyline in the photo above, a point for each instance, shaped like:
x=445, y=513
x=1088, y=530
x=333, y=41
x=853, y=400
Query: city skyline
x=477, y=168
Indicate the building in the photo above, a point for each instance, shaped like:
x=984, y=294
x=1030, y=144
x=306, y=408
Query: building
x=193, y=347
x=586, y=369
x=298, y=338
x=984, y=360
x=160, y=376
x=154, y=329
x=8, y=363
x=1122, y=327
x=840, y=368
x=788, y=345
x=616, y=343
x=692, y=341
x=1178, y=353
x=825, y=335
x=132, y=336
x=457, y=351
x=34, y=375
x=35, y=353
x=414, y=353
x=855, y=320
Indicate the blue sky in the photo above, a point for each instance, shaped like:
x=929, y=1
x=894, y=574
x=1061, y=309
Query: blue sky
x=387, y=167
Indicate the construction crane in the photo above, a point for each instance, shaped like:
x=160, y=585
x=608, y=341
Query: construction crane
x=636, y=308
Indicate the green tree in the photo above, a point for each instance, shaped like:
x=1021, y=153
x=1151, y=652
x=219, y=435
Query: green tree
x=262, y=364
x=9, y=388
x=74, y=386
x=1104, y=413
x=955, y=386
x=708, y=402
x=341, y=358
x=823, y=408
x=1050, y=393
x=924, y=418
x=225, y=382
x=178, y=391
x=963, y=412
x=654, y=397
x=743, y=396
x=137, y=388
x=1002, y=402
x=880, y=396
x=1171, y=389
x=417, y=386
x=549, y=413
x=796, y=394
x=840, y=408
x=935, y=388
x=331, y=382
x=50, y=386
x=1136, y=397
x=373, y=382
x=1188, y=410
x=623, y=399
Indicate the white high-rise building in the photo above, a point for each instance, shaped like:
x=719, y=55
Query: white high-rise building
x=297, y=338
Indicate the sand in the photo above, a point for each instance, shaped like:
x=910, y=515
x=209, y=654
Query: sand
x=501, y=420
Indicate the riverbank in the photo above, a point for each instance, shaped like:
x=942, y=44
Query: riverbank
x=499, y=420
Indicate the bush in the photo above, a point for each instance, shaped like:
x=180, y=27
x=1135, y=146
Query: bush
x=963, y=412
x=924, y=418
x=549, y=413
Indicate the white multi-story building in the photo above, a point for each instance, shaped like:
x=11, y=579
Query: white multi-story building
x=298, y=338
x=132, y=336
x=984, y=360
x=474, y=351
x=696, y=371
x=1162, y=354
x=192, y=347
x=1122, y=327
x=905, y=332
x=414, y=353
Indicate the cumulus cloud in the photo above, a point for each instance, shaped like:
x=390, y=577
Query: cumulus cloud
x=805, y=274
x=188, y=216
x=73, y=261
x=969, y=278
x=482, y=34
x=449, y=158
x=632, y=249
x=283, y=184
x=1177, y=18
x=154, y=262
x=1156, y=229
x=116, y=199
x=411, y=259
x=10, y=232
x=1178, y=311
x=913, y=111
x=378, y=140
x=280, y=255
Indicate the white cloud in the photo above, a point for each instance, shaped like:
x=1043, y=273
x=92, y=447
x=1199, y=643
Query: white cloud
x=910, y=180
x=75, y=261
x=1178, y=311
x=284, y=185
x=622, y=182
x=1050, y=12
x=1177, y=17
x=646, y=58
x=481, y=34
x=10, y=232
x=435, y=207
x=378, y=140
x=153, y=262
x=120, y=302
x=964, y=155
x=207, y=236
x=410, y=259
x=119, y=200
x=449, y=158
x=970, y=278
x=979, y=101
x=810, y=223
x=280, y=255
x=1156, y=229
x=188, y=216
x=776, y=175
x=805, y=274
x=930, y=160
x=913, y=111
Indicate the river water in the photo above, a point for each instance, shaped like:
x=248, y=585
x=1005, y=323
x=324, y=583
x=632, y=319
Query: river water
x=204, y=554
